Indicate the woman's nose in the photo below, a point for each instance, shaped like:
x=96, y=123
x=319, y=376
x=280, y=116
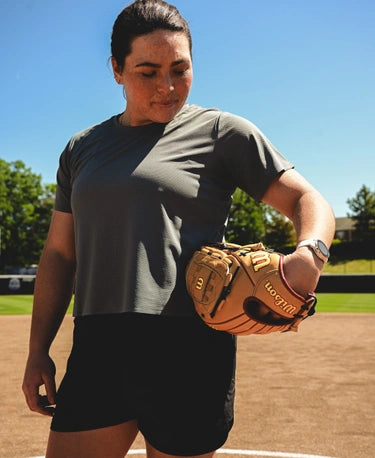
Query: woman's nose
x=165, y=84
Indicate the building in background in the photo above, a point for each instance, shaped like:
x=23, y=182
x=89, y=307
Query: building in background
x=345, y=228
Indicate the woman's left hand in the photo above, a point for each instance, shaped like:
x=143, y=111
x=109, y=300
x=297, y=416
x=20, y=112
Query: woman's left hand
x=302, y=270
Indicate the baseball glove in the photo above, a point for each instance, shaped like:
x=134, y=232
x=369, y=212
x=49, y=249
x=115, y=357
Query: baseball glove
x=242, y=290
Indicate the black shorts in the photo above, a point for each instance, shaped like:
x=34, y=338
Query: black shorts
x=175, y=376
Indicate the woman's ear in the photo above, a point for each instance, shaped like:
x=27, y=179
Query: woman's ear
x=117, y=71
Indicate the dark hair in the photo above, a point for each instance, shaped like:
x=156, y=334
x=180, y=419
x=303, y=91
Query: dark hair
x=140, y=18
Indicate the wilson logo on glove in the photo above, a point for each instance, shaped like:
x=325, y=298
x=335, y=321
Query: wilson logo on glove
x=260, y=259
x=279, y=300
x=242, y=290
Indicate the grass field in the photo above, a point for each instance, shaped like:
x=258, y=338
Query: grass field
x=18, y=304
x=327, y=302
x=355, y=266
x=346, y=302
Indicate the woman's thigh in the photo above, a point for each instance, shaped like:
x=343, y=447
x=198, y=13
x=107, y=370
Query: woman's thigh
x=110, y=442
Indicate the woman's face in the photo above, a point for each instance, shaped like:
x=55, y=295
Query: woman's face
x=157, y=76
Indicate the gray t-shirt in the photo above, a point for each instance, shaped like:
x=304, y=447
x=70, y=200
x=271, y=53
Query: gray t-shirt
x=144, y=198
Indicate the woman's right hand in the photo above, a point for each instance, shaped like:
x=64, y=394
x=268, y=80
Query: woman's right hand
x=40, y=370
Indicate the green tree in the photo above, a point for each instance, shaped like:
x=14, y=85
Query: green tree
x=25, y=212
x=250, y=221
x=363, y=213
x=246, y=223
x=280, y=231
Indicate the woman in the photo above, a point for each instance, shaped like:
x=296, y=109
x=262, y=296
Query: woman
x=136, y=195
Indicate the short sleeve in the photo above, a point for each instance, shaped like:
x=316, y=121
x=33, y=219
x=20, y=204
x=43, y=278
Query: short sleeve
x=248, y=157
x=64, y=183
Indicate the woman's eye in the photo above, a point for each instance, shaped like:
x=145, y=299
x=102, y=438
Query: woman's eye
x=180, y=72
x=149, y=75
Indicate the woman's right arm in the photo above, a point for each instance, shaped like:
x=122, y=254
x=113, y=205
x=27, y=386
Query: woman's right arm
x=52, y=295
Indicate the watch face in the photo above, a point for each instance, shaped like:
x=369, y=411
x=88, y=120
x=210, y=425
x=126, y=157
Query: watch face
x=322, y=247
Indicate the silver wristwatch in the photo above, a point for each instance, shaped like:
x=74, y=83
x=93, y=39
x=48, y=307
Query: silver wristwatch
x=318, y=247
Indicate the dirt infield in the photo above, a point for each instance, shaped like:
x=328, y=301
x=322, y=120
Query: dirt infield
x=309, y=393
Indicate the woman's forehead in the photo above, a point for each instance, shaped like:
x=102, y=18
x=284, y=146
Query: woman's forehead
x=160, y=44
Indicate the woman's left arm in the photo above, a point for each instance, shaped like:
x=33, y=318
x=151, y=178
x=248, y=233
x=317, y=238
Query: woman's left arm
x=312, y=218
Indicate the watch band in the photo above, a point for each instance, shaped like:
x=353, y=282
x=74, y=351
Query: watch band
x=318, y=247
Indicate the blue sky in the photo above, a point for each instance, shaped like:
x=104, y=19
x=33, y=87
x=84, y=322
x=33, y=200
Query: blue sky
x=302, y=71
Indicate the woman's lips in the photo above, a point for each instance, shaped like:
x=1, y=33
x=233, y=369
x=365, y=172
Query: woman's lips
x=166, y=103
